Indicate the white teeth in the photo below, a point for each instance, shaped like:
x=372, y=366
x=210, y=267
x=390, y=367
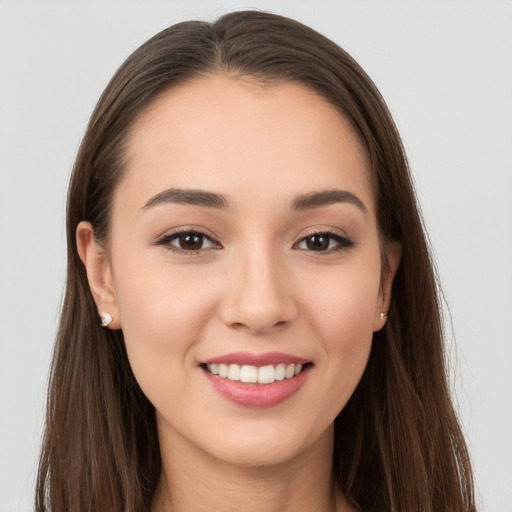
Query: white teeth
x=213, y=368
x=234, y=372
x=280, y=371
x=266, y=374
x=249, y=374
x=252, y=374
x=223, y=370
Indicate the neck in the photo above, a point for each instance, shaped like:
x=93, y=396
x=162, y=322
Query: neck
x=193, y=480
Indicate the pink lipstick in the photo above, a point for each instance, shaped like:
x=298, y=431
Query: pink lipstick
x=256, y=380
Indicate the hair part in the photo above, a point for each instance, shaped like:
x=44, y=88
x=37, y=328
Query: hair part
x=398, y=444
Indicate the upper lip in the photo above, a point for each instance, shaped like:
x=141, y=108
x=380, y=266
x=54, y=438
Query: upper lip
x=255, y=359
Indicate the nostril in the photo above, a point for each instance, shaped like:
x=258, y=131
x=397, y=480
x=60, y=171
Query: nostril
x=239, y=325
x=258, y=325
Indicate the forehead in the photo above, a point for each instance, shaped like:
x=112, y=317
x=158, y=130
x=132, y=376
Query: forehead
x=230, y=135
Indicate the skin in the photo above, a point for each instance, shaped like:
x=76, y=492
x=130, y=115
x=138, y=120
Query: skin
x=254, y=285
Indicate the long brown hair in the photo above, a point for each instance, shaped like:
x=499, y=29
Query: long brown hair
x=398, y=444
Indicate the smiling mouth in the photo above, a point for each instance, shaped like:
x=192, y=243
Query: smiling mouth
x=255, y=374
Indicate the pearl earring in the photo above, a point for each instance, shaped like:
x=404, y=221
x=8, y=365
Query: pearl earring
x=106, y=318
x=383, y=316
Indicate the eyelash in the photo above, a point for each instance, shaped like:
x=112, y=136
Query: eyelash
x=166, y=240
x=343, y=243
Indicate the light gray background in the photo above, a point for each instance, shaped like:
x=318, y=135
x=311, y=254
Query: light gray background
x=445, y=69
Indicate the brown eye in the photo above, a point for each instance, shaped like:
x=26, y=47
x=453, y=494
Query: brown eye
x=191, y=242
x=318, y=242
x=324, y=242
x=188, y=242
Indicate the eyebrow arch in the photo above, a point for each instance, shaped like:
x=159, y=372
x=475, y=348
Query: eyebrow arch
x=325, y=198
x=188, y=196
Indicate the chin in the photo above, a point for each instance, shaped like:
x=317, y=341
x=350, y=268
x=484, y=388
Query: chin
x=270, y=446
x=257, y=457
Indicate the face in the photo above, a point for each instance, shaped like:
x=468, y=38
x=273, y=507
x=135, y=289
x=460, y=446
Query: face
x=244, y=245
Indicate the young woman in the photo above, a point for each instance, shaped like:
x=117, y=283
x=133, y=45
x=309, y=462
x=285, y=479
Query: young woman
x=242, y=219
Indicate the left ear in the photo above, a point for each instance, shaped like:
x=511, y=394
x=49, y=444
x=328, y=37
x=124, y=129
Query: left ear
x=393, y=257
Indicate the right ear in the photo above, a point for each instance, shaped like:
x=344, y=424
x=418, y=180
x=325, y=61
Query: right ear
x=99, y=272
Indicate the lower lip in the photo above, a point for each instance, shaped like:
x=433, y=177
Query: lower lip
x=257, y=395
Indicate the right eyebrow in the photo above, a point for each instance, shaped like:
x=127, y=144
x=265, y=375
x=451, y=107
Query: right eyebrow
x=188, y=196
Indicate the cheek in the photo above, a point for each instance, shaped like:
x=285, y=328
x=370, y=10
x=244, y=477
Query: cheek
x=343, y=315
x=347, y=333
x=156, y=299
x=343, y=304
x=162, y=314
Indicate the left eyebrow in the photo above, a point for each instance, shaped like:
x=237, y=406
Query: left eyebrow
x=188, y=196
x=326, y=198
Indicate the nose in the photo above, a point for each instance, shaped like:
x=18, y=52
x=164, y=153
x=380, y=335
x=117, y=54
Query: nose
x=259, y=294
